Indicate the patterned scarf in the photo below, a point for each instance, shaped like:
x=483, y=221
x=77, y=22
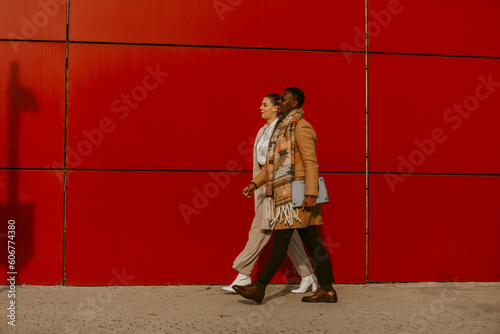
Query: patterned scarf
x=280, y=170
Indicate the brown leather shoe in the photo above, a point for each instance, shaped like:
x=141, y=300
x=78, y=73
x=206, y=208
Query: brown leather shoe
x=249, y=292
x=322, y=296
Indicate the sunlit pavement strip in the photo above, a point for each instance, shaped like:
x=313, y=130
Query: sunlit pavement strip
x=372, y=308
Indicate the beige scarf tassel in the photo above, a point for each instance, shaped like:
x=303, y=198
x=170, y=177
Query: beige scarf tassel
x=284, y=211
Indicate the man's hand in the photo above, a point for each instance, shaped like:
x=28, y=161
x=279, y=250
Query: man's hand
x=249, y=190
x=309, y=202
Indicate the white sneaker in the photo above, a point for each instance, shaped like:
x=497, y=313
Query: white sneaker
x=305, y=283
x=240, y=280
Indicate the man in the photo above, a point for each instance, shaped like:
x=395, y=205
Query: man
x=291, y=156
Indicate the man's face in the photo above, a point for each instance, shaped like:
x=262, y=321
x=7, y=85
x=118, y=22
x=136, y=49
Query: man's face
x=287, y=102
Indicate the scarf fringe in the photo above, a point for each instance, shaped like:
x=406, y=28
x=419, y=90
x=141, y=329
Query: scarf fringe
x=285, y=212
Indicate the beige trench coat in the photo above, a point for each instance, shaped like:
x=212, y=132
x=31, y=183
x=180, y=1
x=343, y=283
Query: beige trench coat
x=259, y=194
x=306, y=166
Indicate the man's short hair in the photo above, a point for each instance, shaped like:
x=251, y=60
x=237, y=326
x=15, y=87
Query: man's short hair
x=298, y=94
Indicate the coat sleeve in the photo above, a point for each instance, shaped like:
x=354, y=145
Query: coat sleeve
x=256, y=167
x=305, y=138
x=260, y=179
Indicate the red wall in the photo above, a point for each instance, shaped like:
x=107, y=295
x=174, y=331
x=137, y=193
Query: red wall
x=132, y=171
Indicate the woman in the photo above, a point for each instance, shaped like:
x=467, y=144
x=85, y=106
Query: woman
x=260, y=231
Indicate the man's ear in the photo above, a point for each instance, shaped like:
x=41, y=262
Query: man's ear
x=295, y=103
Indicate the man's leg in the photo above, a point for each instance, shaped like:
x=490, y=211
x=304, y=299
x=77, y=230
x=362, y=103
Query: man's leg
x=311, y=239
x=280, y=247
x=298, y=256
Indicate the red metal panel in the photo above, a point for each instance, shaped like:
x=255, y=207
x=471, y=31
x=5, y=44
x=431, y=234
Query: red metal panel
x=434, y=228
x=34, y=200
x=278, y=24
x=32, y=105
x=185, y=227
x=32, y=20
x=150, y=107
x=446, y=27
x=434, y=115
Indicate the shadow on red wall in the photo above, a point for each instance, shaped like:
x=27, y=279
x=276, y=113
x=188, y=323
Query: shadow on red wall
x=18, y=234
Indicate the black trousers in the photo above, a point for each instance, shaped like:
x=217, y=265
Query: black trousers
x=312, y=241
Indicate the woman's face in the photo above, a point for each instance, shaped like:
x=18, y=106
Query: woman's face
x=268, y=109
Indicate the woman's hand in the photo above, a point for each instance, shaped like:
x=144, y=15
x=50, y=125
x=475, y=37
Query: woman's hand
x=249, y=190
x=309, y=202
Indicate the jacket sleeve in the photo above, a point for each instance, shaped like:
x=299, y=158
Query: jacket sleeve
x=260, y=179
x=305, y=138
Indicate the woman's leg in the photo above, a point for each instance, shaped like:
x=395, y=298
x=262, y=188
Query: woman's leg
x=257, y=240
x=311, y=239
x=298, y=256
x=280, y=247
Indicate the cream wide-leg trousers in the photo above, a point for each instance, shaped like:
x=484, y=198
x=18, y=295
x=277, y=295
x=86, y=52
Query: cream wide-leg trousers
x=257, y=240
